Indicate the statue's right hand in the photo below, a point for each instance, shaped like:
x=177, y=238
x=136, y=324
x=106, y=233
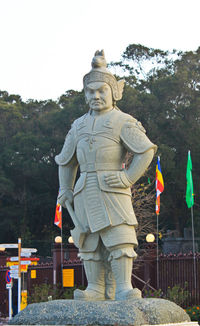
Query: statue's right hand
x=65, y=194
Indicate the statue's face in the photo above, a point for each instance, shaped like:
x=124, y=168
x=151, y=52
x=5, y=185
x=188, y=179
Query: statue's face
x=99, y=96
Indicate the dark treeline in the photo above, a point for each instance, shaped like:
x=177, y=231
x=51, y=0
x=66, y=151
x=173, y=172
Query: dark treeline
x=162, y=91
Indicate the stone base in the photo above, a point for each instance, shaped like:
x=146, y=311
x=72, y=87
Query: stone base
x=131, y=312
x=191, y=323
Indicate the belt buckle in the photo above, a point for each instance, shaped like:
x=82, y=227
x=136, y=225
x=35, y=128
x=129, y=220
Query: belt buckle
x=91, y=167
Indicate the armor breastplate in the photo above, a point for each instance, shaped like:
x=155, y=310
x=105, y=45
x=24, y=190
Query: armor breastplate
x=98, y=144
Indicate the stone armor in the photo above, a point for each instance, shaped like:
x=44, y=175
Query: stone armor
x=98, y=145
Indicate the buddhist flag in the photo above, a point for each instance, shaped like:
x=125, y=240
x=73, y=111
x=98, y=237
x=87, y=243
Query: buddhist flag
x=159, y=185
x=189, y=189
x=58, y=215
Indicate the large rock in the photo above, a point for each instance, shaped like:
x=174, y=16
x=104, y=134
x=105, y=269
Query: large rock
x=74, y=312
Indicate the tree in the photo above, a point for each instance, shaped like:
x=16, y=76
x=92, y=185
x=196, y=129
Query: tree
x=166, y=100
x=31, y=134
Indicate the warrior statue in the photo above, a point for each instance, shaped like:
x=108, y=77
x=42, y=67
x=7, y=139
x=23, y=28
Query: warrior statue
x=100, y=201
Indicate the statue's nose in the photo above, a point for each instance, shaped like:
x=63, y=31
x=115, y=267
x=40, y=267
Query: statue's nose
x=96, y=95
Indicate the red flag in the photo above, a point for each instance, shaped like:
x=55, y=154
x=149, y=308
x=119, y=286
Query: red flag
x=58, y=215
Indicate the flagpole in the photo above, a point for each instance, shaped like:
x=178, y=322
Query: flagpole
x=157, y=258
x=193, y=246
x=159, y=190
x=192, y=218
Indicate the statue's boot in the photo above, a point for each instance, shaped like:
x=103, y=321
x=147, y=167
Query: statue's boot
x=122, y=270
x=95, y=290
x=110, y=283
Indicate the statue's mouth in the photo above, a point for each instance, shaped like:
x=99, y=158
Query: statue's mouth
x=97, y=102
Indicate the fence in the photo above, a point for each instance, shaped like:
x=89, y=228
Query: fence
x=45, y=274
x=179, y=270
x=173, y=270
x=3, y=293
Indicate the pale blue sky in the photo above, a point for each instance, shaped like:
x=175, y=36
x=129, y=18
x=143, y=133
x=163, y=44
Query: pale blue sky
x=47, y=45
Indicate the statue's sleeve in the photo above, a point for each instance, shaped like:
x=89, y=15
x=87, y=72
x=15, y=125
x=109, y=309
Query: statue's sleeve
x=67, y=162
x=134, y=138
x=68, y=149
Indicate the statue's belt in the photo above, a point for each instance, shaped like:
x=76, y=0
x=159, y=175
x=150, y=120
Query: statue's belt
x=93, y=167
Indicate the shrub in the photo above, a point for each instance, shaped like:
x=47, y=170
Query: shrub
x=45, y=292
x=176, y=294
x=153, y=294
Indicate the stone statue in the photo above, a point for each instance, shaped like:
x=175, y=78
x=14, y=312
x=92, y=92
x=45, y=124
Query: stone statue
x=103, y=214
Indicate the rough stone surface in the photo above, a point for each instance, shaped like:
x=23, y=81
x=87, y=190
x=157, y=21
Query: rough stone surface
x=73, y=312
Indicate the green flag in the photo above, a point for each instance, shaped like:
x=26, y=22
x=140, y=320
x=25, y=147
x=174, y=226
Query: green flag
x=189, y=189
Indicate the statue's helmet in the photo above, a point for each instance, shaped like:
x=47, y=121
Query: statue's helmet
x=99, y=73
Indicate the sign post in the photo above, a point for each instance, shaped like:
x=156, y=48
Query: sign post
x=19, y=274
x=10, y=302
x=9, y=287
x=20, y=266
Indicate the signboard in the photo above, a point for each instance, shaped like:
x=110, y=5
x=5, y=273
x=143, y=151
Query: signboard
x=9, y=245
x=24, y=299
x=8, y=286
x=14, y=274
x=11, y=263
x=25, y=262
x=24, y=267
x=16, y=258
x=25, y=250
x=26, y=254
x=15, y=245
x=33, y=273
x=8, y=277
x=68, y=277
x=14, y=267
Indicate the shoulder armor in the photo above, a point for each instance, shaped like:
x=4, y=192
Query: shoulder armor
x=124, y=116
x=120, y=118
x=134, y=137
x=68, y=149
x=69, y=146
x=80, y=121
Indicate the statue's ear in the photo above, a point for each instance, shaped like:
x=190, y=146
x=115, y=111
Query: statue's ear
x=102, y=53
x=86, y=100
x=121, y=87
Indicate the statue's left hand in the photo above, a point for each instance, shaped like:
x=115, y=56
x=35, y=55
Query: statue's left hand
x=117, y=179
x=65, y=194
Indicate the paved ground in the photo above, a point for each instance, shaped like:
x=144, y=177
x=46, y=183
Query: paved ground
x=3, y=321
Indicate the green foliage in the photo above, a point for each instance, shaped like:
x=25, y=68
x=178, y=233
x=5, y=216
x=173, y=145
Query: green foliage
x=153, y=294
x=41, y=293
x=45, y=292
x=194, y=313
x=176, y=294
x=166, y=99
x=31, y=134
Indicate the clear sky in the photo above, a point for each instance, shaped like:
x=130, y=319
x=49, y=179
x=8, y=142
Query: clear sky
x=47, y=45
